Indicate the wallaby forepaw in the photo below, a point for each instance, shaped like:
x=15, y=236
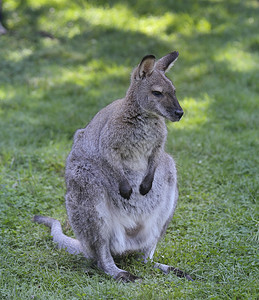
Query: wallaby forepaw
x=125, y=189
x=127, y=277
x=145, y=186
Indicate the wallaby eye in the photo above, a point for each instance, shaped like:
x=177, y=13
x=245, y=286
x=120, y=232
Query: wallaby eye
x=157, y=93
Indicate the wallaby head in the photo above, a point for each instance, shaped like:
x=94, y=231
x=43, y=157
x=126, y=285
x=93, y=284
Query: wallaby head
x=154, y=92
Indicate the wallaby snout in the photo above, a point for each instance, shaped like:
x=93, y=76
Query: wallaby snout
x=174, y=109
x=179, y=113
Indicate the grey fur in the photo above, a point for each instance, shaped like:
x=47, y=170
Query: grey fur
x=121, y=184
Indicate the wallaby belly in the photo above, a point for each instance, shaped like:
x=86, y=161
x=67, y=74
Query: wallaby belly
x=135, y=232
x=139, y=222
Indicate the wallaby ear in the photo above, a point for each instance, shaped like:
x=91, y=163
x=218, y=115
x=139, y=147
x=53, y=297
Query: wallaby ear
x=165, y=63
x=146, y=66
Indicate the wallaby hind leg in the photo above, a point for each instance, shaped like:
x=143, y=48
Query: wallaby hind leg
x=166, y=269
x=89, y=216
x=148, y=255
x=101, y=254
x=106, y=263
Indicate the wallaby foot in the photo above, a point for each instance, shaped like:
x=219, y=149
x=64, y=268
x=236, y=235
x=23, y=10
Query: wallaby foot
x=127, y=277
x=179, y=273
x=125, y=189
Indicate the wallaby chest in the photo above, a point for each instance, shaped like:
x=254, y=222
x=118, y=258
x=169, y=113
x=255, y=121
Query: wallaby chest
x=141, y=139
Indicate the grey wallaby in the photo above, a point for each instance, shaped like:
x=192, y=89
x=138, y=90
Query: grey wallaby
x=121, y=184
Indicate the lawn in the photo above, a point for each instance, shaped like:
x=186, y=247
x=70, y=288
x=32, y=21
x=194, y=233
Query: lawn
x=60, y=63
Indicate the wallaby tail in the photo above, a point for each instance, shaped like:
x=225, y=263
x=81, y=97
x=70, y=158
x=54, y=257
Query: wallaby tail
x=71, y=245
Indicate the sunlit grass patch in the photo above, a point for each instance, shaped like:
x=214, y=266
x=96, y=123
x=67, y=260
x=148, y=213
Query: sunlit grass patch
x=16, y=56
x=87, y=74
x=237, y=59
x=75, y=20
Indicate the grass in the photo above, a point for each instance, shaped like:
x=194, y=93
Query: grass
x=60, y=63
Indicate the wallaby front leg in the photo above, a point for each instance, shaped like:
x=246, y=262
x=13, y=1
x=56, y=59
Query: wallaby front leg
x=115, y=164
x=147, y=181
x=125, y=188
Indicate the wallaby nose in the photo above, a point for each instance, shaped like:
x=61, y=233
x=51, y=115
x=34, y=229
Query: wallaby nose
x=179, y=113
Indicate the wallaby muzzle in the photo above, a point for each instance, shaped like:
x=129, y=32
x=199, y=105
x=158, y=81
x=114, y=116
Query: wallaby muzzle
x=179, y=113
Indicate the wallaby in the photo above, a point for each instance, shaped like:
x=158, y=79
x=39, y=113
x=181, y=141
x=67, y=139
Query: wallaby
x=121, y=184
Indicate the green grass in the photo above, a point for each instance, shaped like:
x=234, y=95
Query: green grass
x=49, y=87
